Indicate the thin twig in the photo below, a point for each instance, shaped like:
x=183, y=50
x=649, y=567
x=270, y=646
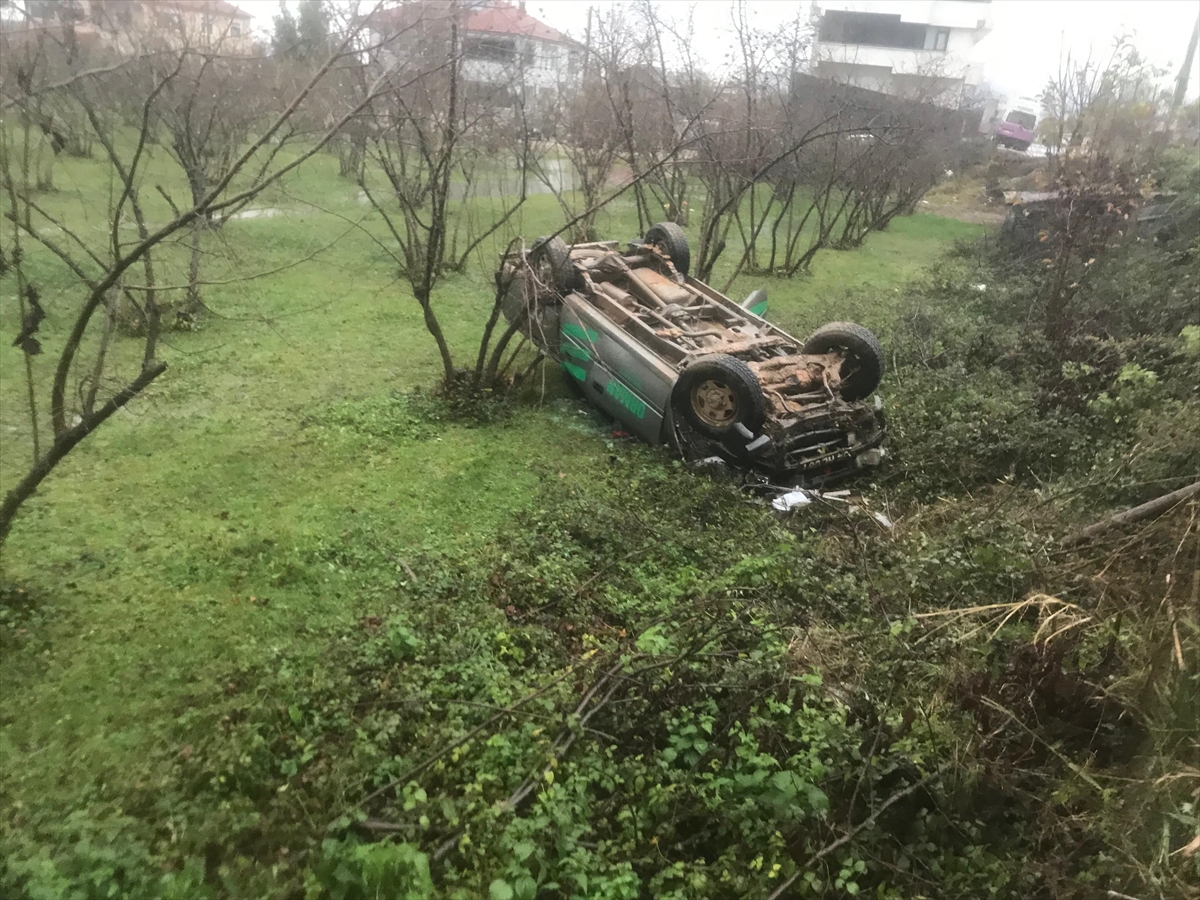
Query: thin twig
x=429, y=761
x=851, y=834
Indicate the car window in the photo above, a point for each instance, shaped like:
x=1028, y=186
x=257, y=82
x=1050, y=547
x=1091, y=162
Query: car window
x=1024, y=119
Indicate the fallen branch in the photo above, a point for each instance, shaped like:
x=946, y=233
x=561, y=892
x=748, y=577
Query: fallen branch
x=851, y=834
x=1151, y=508
x=421, y=767
x=558, y=749
x=1041, y=740
x=562, y=743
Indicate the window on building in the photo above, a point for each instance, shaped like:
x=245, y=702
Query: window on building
x=63, y=10
x=871, y=29
x=941, y=38
x=487, y=94
x=528, y=54
x=490, y=48
x=235, y=29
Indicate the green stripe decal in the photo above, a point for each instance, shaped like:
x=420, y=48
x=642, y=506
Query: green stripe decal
x=577, y=373
x=579, y=333
x=759, y=309
x=577, y=352
x=626, y=398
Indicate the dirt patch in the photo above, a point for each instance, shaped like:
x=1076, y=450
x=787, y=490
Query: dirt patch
x=976, y=194
x=964, y=198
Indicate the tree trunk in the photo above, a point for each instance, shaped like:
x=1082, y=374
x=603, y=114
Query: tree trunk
x=493, y=367
x=1154, y=507
x=351, y=156
x=434, y=327
x=194, y=304
x=65, y=442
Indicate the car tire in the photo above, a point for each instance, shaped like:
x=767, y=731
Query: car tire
x=717, y=393
x=670, y=239
x=555, y=255
x=863, y=368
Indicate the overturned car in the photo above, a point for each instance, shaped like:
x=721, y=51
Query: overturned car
x=678, y=363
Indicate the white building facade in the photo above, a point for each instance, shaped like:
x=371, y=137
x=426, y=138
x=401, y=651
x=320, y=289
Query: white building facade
x=502, y=43
x=923, y=49
x=507, y=55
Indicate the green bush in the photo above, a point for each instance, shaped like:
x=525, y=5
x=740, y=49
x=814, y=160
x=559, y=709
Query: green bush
x=974, y=398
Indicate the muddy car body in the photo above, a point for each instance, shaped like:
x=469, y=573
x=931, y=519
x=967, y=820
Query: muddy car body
x=678, y=363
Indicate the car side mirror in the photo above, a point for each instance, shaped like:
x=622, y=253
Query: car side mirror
x=756, y=303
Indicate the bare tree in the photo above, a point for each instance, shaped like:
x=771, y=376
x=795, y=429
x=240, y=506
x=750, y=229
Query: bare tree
x=455, y=154
x=753, y=135
x=592, y=119
x=85, y=389
x=840, y=161
x=208, y=111
x=1102, y=137
x=671, y=119
x=52, y=124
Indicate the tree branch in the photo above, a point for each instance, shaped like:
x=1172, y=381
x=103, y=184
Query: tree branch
x=66, y=441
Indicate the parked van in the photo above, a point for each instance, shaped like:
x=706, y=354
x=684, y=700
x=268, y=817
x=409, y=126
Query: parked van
x=1016, y=129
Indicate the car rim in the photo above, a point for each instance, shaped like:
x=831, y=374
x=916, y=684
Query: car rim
x=715, y=403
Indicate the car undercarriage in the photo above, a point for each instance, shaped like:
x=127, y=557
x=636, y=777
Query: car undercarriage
x=680, y=364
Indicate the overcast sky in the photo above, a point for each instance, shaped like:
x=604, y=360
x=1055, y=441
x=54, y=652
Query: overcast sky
x=1019, y=55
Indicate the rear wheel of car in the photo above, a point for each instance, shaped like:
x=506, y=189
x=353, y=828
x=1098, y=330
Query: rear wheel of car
x=716, y=393
x=862, y=368
x=670, y=239
x=551, y=259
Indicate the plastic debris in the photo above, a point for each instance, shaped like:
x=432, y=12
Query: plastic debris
x=791, y=500
x=797, y=498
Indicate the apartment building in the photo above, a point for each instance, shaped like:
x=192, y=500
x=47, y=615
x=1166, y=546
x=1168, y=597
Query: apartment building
x=923, y=50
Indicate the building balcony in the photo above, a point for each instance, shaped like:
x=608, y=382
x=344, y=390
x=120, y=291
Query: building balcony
x=900, y=60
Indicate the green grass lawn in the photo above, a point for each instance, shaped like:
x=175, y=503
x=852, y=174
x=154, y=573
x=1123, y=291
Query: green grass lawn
x=214, y=523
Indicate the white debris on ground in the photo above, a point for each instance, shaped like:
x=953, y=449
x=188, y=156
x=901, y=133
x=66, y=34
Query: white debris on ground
x=786, y=500
x=791, y=500
x=799, y=498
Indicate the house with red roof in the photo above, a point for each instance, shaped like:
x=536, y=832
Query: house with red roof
x=130, y=25
x=506, y=52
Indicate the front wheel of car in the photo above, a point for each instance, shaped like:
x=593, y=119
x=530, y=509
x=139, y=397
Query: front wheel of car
x=670, y=239
x=717, y=393
x=862, y=366
x=551, y=259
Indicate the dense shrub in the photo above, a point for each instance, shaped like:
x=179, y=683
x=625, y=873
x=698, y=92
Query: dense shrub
x=647, y=685
x=978, y=394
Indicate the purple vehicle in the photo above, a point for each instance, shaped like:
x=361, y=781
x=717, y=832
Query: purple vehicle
x=1015, y=130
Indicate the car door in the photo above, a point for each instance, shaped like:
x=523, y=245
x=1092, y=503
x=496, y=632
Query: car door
x=613, y=371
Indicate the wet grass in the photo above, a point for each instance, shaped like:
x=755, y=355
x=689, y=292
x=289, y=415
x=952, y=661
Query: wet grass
x=215, y=523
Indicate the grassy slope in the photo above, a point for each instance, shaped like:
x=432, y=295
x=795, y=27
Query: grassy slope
x=142, y=553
